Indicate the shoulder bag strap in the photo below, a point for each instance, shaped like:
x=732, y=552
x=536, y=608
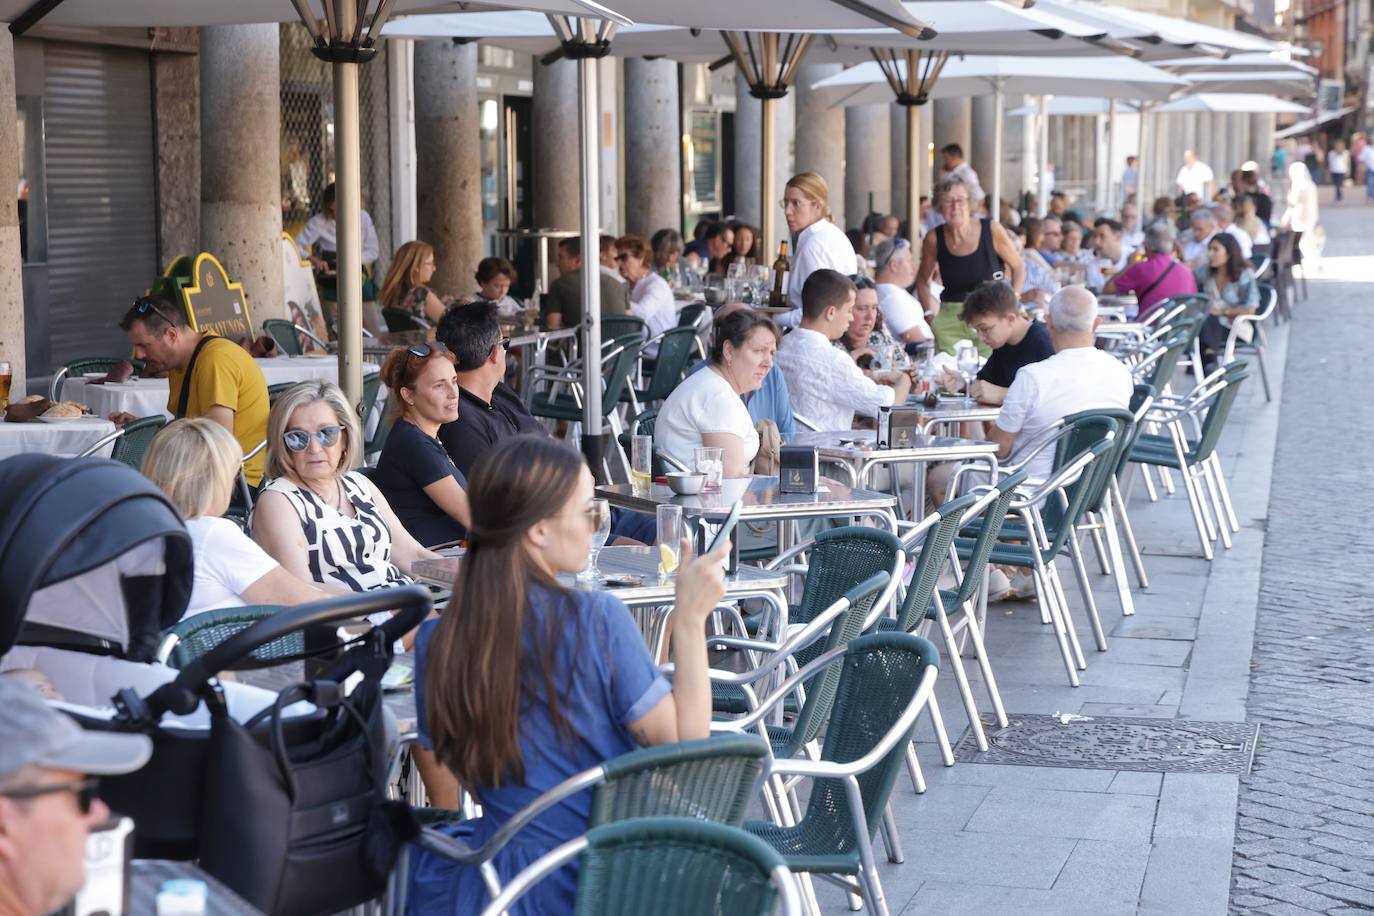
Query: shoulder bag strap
x=185, y=397
x=1173, y=262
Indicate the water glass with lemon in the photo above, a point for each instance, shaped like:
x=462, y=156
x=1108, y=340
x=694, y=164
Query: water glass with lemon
x=669, y=540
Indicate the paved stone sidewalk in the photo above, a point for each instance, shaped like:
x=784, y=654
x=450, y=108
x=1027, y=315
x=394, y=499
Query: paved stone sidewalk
x=1305, y=834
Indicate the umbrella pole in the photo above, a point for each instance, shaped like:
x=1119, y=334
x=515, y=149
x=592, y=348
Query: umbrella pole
x=998, y=141
x=593, y=436
x=1111, y=153
x=1043, y=156
x=348, y=203
x=913, y=174
x=1142, y=188
x=768, y=117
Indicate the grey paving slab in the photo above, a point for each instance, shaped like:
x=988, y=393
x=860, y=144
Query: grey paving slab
x=1131, y=783
x=1186, y=877
x=1110, y=871
x=955, y=899
x=1058, y=813
x=1197, y=806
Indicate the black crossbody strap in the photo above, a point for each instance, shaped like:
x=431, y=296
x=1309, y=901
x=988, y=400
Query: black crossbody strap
x=185, y=397
x=1158, y=280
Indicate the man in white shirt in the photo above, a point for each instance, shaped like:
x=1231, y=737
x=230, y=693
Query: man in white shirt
x=896, y=271
x=322, y=229
x=1108, y=243
x=1195, y=177
x=826, y=386
x=952, y=163
x=1194, y=241
x=1225, y=218
x=1131, y=235
x=1077, y=377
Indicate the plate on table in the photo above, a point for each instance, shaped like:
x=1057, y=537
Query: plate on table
x=64, y=419
x=93, y=374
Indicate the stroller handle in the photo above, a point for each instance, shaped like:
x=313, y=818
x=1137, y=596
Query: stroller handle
x=412, y=604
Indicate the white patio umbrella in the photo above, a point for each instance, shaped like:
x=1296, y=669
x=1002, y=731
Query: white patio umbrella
x=957, y=78
x=1250, y=61
x=1272, y=82
x=1068, y=105
x=1232, y=103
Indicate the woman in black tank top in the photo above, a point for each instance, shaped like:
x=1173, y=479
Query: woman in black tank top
x=968, y=251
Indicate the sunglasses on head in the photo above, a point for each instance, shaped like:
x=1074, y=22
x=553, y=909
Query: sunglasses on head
x=426, y=350
x=143, y=306
x=83, y=789
x=298, y=440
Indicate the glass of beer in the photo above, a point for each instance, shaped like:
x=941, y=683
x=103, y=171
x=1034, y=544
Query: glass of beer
x=6, y=377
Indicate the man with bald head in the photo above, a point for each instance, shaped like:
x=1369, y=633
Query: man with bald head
x=1077, y=377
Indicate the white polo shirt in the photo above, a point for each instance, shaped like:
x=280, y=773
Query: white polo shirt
x=1080, y=378
x=901, y=311
x=820, y=245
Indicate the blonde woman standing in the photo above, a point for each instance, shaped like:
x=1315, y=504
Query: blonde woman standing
x=820, y=243
x=194, y=462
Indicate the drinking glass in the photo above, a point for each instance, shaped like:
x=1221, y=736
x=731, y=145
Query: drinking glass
x=761, y=277
x=711, y=462
x=641, y=464
x=968, y=367
x=6, y=377
x=599, y=512
x=669, y=540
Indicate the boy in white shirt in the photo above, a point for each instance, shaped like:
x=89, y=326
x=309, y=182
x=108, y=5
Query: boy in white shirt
x=824, y=385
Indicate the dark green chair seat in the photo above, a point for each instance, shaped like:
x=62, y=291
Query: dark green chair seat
x=199, y=633
x=138, y=435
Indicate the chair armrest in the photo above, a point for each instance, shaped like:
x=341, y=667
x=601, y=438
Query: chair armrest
x=787, y=687
x=788, y=554
x=1065, y=476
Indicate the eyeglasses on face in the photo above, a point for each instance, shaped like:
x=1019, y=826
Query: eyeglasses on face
x=793, y=203
x=298, y=440
x=622, y=256
x=956, y=202
x=83, y=789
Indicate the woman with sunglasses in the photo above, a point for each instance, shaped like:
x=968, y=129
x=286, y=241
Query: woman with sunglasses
x=318, y=517
x=650, y=296
x=415, y=473
x=522, y=683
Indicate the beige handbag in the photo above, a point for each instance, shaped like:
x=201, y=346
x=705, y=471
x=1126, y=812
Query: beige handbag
x=770, y=449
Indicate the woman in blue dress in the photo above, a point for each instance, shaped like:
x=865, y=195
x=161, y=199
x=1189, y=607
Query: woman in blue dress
x=523, y=683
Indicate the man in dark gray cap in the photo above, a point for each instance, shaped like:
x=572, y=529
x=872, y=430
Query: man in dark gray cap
x=48, y=770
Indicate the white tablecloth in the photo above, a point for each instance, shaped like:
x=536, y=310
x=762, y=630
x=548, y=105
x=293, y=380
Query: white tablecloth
x=148, y=397
x=68, y=437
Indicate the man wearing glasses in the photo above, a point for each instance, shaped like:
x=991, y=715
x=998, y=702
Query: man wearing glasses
x=207, y=376
x=47, y=797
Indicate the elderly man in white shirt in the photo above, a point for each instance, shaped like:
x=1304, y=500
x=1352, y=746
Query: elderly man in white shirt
x=1194, y=241
x=1225, y=218
x=826, y=386
x=1077, y=377
x=820, y=243
x=323, y=229
x=896, y=272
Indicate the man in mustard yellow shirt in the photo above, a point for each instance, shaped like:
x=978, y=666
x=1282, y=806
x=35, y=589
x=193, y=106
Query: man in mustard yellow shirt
x=208, y=376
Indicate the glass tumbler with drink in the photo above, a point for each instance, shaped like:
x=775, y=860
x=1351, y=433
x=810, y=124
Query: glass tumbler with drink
x=669, y=540
x=709, y=461
x=599, y=513
x=641, y=464
x=6, y=377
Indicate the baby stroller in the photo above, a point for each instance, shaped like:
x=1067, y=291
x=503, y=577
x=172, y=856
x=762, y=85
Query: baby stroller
x=274, y=793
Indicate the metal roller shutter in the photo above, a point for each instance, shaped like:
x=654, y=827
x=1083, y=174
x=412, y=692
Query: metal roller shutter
x=102, y=203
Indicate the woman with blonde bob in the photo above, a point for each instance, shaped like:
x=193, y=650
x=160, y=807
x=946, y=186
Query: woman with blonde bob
x=195, y=462
x=317, y=516
x=820, y=243
x=406, y=287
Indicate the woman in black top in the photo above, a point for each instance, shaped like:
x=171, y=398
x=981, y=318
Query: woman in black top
x=415, y=474
x=967, y=250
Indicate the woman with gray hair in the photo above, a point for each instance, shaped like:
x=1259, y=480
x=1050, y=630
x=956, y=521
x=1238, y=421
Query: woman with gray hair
x=968, y=250
x=318, y=517
x=1159, y=276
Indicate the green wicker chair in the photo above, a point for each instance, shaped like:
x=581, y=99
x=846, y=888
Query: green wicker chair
x=1257, y=344
x=372, y=385
x=643, y=425
x=669, y=866
x=199, y=633
x=885, y=679
x=709, y=779
x=277, y=390
x=287, y=338
x=676, y=351
x=613, y=327
x=79, y=367
x=138, y=435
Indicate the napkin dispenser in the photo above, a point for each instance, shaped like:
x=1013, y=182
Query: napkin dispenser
x=798, y=469
x=898, y=427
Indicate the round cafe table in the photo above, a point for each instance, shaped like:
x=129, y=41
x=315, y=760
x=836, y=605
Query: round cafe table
x=61, y=437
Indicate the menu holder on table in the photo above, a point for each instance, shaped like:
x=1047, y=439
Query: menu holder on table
x=798, y=469
x=898, y=427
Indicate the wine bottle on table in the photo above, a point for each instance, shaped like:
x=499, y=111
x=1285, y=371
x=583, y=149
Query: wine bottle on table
x=778, y=298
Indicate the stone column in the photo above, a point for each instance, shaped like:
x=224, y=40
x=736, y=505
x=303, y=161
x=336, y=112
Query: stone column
x=748, y=139
x=448, y=161
x=653, y=158
x=11, y=269
x=981, y=151
x=820, y=135
x=953, y=124
x=557, y=179
x=240, y=179
x=176, y=100
x=897, y=122
x=868, y=162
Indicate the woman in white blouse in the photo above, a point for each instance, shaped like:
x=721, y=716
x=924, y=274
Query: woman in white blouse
x=820, y=243
x=650, y=296
x=194, y=462
x=707, y=409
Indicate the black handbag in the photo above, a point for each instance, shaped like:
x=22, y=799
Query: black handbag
x=288, y=800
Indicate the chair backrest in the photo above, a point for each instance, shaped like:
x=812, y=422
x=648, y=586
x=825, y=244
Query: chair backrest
x=284, y=333
x=671, y=866
x=1179, y=341
x=1099, y=475
x=643, y=425
x=78, y=367
x=1269, y=300
x=138, y=435
x=1062, y=511
x=710, y=779
x=692, y=314
x=929, y=562
x=1215, y=419
x=199, y=633
x=400, y=321
x=881, y=675
x=277, y=390
x=1142, y=399
x=616, y=371
x=372, y=384
x=614, y=326
x=994, y=516
x=676, y=350
x=841, y=558
x=820, y=689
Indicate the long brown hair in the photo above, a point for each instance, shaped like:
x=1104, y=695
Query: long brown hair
x=404, y=273
x=487, y=661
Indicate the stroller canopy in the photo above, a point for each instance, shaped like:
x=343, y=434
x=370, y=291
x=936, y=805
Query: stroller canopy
x=92, y=557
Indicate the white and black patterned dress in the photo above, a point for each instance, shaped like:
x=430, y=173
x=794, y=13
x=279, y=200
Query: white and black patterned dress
x=352, y=552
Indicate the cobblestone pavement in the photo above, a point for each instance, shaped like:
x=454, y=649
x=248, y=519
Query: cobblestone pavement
x=1305, y=830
